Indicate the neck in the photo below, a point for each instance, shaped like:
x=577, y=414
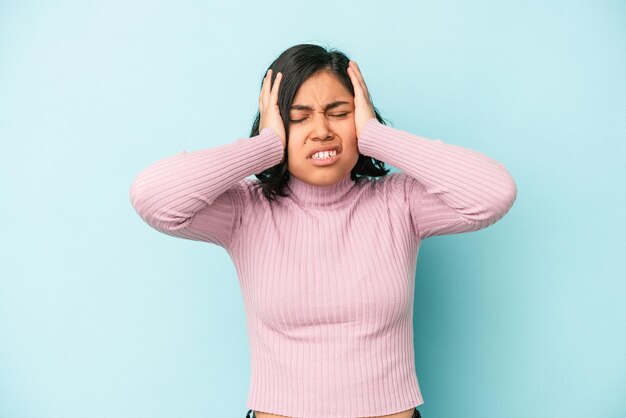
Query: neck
x=328, y=196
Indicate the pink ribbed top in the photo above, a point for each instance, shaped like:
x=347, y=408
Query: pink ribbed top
x=327, y=274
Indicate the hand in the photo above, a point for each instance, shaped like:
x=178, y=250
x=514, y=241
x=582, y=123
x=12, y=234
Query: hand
x=268, y=107
x=363, y=108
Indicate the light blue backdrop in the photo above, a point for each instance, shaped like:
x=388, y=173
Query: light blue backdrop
x=102, y=316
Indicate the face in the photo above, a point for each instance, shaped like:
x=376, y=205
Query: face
x=322, y=115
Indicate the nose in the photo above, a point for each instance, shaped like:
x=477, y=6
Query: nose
x=321, y=129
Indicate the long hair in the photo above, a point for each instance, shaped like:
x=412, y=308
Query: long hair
x=297, y=64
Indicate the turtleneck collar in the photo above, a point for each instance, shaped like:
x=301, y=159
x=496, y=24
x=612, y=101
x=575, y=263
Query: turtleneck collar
x=309, y=195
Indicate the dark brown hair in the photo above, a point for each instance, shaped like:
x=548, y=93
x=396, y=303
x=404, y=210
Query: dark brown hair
x=297, y=64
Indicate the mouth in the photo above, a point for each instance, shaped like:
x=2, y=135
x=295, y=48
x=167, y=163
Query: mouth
x=324, y=153
x=323, y=159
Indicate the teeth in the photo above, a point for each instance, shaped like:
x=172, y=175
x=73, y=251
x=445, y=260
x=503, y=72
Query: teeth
x=324, y=154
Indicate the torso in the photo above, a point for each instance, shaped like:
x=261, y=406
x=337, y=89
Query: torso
x=298, y=309
x=404, y=414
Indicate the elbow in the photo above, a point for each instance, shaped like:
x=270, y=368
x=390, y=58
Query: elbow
x=138, y=198
x=495, y=204
x=140, y=201
x=504, y=199
x=509, y=193
x=512, y=193
x=150, y=207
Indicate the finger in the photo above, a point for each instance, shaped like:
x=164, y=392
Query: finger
x=361, y=80
x=356, y=83
x=263, y=89
x=266, y=93
x=357, y=71
x=275, y=87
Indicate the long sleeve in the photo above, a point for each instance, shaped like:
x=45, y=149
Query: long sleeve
x=450, y=189
x=201, y=195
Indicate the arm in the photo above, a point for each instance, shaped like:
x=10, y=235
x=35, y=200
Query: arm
x=201, y=195
x=451, y=189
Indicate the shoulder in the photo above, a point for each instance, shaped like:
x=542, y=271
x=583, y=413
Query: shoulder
x=242, y=193
x=392, y=182
x=394, y=186
x=248, y=189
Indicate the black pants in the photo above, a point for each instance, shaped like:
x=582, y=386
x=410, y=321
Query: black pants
x=416, y=414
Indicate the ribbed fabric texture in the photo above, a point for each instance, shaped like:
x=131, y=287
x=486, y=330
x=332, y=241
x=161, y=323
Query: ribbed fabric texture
x=328, y=273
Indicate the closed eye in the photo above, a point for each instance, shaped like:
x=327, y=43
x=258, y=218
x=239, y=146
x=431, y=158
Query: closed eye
x=301, y=120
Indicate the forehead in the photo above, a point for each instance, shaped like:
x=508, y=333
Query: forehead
x=320, y=88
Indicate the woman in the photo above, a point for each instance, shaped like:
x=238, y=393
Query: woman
x=325, y=241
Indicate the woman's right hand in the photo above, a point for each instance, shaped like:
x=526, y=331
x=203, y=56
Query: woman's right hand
x=268, y=106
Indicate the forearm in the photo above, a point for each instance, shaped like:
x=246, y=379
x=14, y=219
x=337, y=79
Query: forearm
x=478, y=188
x=173, y=189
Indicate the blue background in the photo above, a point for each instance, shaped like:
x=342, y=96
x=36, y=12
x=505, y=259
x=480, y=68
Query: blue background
x=102, y=316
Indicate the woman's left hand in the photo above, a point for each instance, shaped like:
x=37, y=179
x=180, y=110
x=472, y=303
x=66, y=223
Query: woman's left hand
x=363, y=108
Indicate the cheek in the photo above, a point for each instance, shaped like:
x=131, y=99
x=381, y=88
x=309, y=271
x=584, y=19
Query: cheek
x=346, y=128
x=349, y=139
x=349, y=131
x=296, y=148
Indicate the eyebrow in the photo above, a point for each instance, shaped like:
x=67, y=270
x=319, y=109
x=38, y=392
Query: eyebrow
x=327, y=107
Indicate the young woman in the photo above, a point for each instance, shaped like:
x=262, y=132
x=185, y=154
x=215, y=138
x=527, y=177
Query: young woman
x=324, y=240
